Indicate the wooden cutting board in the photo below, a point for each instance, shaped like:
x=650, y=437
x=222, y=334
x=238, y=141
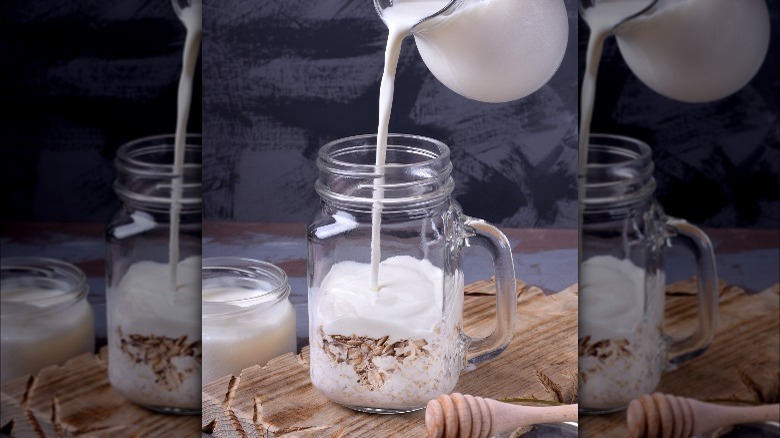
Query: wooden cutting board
x=278, y=400
x=76, y=399
x=742, y=364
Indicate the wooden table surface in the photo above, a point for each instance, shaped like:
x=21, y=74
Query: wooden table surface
x=544, y=258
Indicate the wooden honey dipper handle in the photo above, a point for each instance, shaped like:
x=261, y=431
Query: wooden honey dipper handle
x=679, y=417
x=465, y=416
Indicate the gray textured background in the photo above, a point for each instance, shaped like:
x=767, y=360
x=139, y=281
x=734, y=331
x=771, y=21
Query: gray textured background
x=283, y=77
x=78, y=78
x=718, y=163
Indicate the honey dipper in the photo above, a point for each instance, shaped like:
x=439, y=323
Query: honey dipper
x=664, y=415
x=465, y=416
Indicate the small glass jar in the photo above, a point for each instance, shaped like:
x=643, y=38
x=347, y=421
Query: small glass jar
x=623, y=349
x=248, y=318
x=154, y=338
x=393, y=349
x=45, y=318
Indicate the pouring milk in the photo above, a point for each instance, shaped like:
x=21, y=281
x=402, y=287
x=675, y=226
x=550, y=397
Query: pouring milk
x=687, y=50
x=192, y=19
x=157, y=304
x=490, y=50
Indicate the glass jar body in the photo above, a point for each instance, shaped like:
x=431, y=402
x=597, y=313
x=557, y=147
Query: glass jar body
x=385, y=327
x=623, y=348
x=248, y=318
x=378, y=361
x=46, y=318
x=153, y=322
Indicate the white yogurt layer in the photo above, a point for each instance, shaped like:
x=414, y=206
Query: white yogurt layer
x=394, y=348
x=408, y=304
x=147, y=312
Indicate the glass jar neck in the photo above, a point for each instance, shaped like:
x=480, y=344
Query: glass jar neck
x=416, y=174
x=146, y=174
x=619, y=176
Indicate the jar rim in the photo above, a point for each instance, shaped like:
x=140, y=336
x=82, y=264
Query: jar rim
x=47, y=268
x=325, y=153
x=644, y=151
x=147, y=182
x=127, y=154
x=417, y=172
x=626, y=177
x=249, y=270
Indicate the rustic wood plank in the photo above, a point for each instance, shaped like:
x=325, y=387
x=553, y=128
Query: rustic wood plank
x=76, y=399
x=279, y=399
x=746, y=348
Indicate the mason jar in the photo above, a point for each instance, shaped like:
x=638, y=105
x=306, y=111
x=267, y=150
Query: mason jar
x=623, y=349
x=45, y=318
x=248, y=318
x=394, y=348
x=153, y=275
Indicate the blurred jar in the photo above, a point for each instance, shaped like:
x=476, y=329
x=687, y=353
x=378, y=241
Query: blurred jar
x=153, y=325
x=248, y=318
x=623, y=348
x=45, y=318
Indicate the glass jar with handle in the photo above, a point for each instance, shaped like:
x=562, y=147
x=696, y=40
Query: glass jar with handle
x=623, y=349
x=392, y=349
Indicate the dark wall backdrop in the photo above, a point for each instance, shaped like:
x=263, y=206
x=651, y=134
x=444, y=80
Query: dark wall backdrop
x=717, y=164
x=78, y=79
x=283, y=77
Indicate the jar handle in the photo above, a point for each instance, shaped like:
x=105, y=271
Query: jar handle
x=480, y=233
x=694, y=239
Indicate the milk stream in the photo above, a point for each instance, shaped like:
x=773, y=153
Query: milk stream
x=478, y=51
x=192, y=19
x=602, y=19
x=400, y=20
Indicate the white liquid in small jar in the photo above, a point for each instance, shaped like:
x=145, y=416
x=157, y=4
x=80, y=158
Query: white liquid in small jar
x=243, y=327
x=41, y=326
